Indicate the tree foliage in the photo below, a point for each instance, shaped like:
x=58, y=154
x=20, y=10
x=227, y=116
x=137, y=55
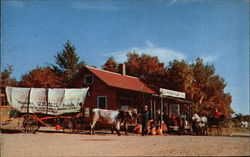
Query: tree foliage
x=179, y=76
x=67, y=63
x=111, y=65
x=198, y=80
x=201, y=85
x=146, y=67
x=41, y=78
x=240, y=117
x=6, y=79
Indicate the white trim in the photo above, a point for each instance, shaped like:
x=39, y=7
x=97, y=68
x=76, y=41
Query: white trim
x=106, y=101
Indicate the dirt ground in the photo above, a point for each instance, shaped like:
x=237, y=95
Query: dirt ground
x=50, y=143
x=44, y=144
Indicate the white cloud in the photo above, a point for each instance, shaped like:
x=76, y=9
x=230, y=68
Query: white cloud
x=151, y=45
x=164, y=54
x=210, y=58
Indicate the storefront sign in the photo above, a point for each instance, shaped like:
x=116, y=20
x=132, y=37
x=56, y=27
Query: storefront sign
x=167, y=92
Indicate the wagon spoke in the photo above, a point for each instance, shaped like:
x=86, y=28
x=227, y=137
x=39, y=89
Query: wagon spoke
x=28, y=123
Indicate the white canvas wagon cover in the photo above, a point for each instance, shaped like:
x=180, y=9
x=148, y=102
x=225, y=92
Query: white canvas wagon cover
x=54, y=101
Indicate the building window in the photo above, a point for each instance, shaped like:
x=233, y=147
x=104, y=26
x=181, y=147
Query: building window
x=174, y=109
x=88, y=79
x=102, y=102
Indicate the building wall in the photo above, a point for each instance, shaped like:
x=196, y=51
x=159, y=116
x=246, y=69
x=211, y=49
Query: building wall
x=138, y=99
x=97, y=88
x=115, y=96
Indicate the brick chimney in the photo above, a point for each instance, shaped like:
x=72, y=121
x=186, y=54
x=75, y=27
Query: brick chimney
x=122, y=69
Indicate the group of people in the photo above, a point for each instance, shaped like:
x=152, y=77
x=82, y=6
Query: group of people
x=169, y=120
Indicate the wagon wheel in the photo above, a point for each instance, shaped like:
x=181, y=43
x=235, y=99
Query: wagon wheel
x=69, y=125
x=80, y=125
x=28, y=124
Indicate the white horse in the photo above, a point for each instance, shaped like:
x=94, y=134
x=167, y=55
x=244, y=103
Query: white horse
x=244, y=124
x=200, y=124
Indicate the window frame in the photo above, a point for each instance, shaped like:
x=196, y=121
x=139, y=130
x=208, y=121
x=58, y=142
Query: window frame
x=106, y=101
x=176, y=106
x=85, y=79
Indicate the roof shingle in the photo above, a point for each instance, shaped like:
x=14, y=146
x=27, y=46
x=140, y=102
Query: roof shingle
x=121, y=81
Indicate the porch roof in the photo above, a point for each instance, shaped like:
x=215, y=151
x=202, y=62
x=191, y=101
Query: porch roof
x=173, y=98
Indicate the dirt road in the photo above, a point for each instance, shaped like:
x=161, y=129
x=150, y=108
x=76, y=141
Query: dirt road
x=43, y=144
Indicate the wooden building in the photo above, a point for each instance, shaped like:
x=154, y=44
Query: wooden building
x=111, y=90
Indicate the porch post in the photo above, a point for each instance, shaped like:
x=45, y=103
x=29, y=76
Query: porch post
x=161, y=111
x=154, y=112
x=190, y=113
x=151, y=107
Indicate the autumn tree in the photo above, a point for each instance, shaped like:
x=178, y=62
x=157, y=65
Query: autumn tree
x=198, y=80
x=179, y=76
x=41, y=78
x=67, y=63
x=6, y=79
x=110, y=65
x=146, y=67
x=240, y=117
x=208, y=89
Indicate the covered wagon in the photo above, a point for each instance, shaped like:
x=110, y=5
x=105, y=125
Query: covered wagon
x=47, y=107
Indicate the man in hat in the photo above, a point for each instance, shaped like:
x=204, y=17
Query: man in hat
x=145, y=118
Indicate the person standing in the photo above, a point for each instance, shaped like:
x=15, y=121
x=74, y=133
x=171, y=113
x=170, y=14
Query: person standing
x=217, y=114
x=145, y=118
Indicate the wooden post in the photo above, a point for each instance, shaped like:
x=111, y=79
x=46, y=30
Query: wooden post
x=161, y=111
x=167, y=107
x=190, y=113
x=154, y=112
x=151, y=107
x=28, y=106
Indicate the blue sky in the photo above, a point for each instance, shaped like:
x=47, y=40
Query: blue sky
x=217, y=31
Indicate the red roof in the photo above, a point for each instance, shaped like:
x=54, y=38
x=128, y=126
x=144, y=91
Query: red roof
x=121, y=81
